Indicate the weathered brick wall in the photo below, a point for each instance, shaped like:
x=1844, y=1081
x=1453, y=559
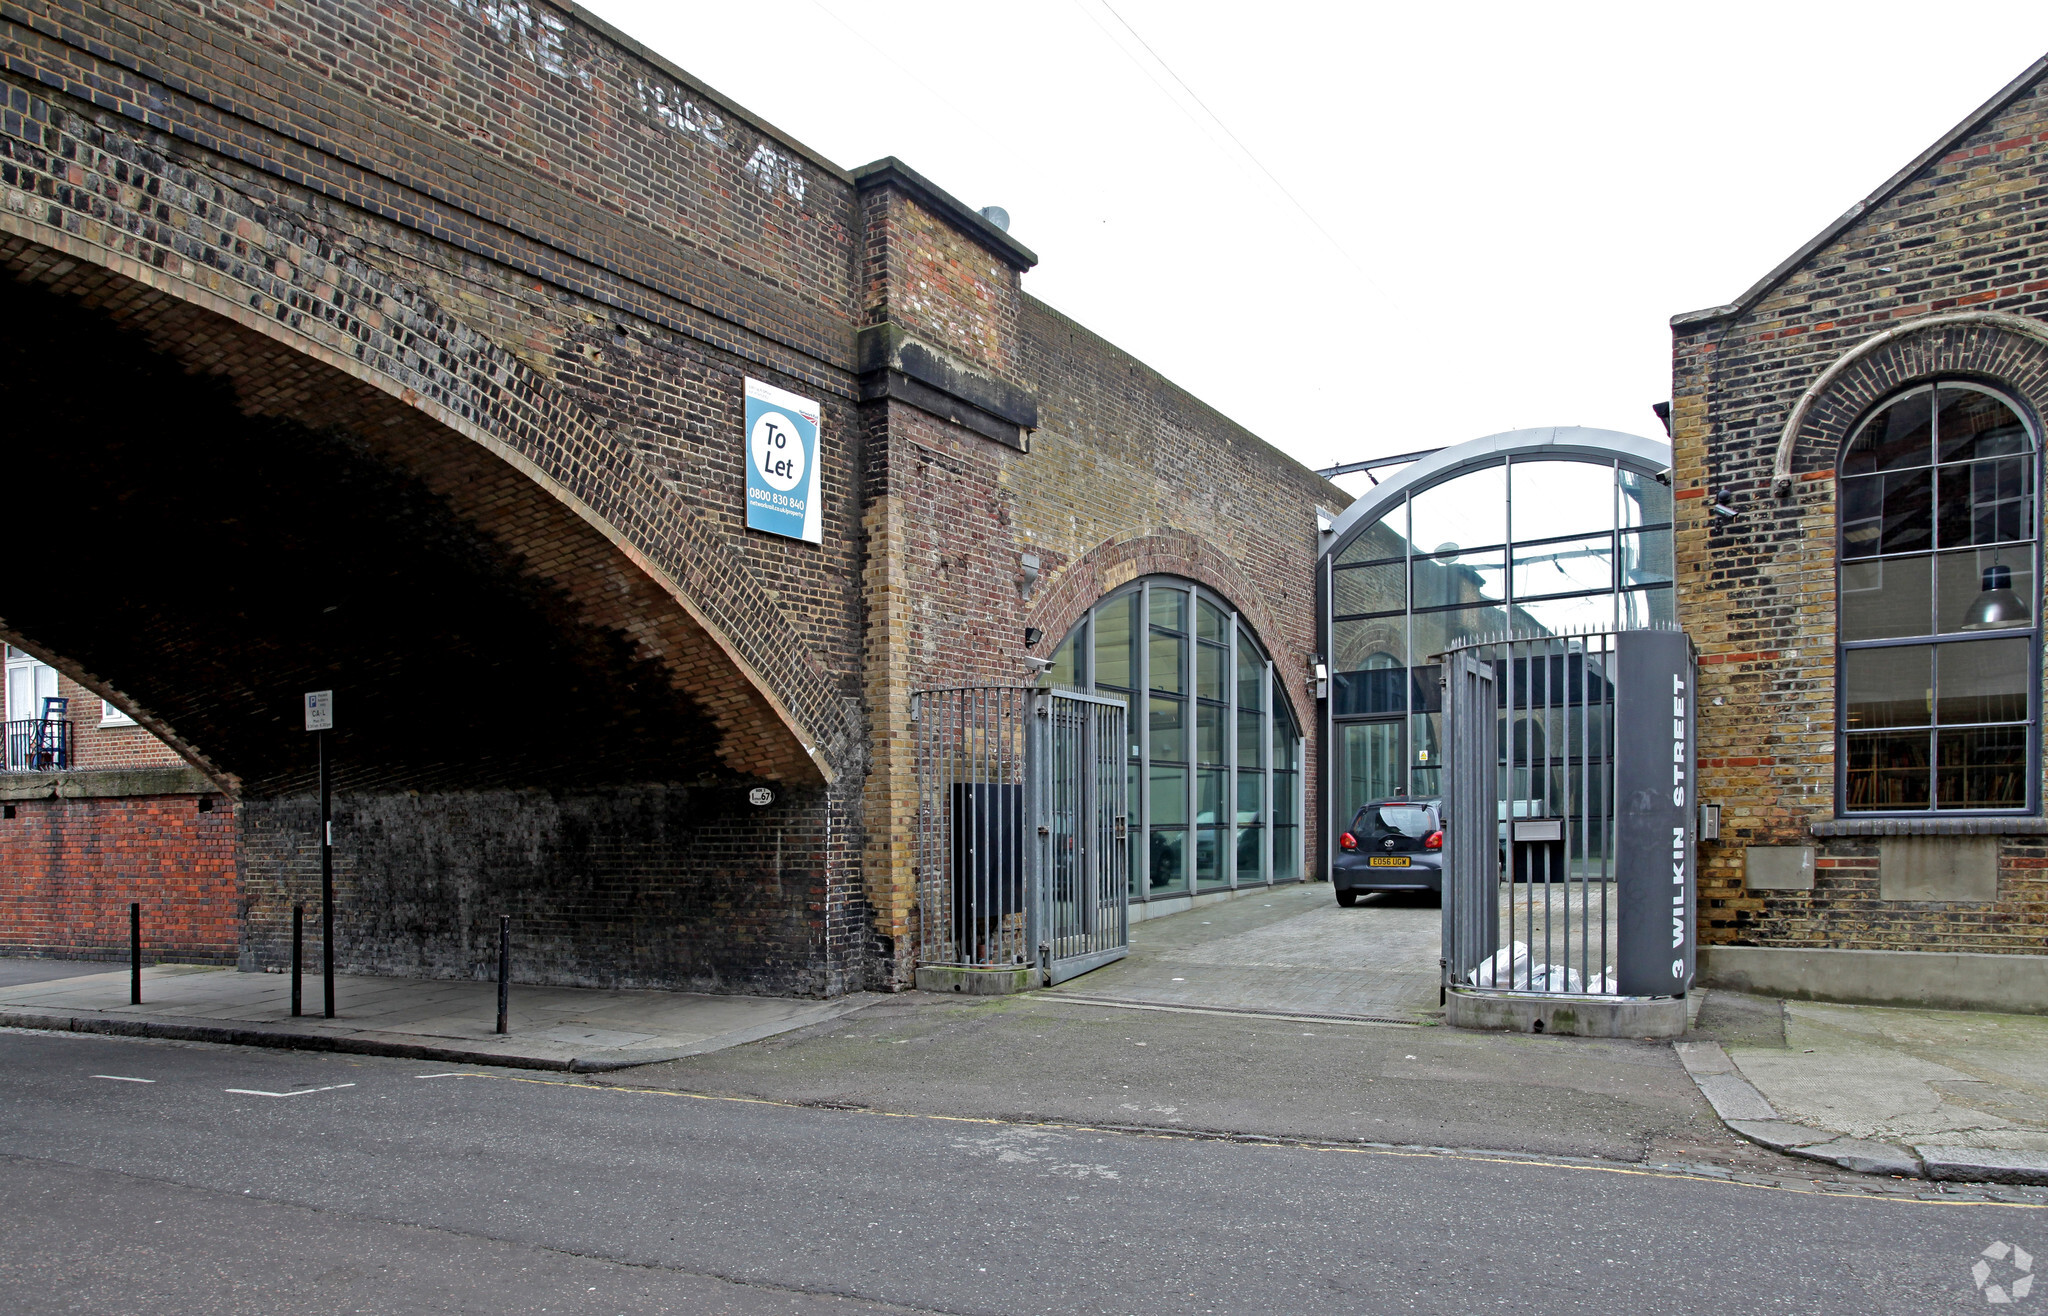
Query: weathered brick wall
x=691, y=889
x=1963, y=232
x=70, y=867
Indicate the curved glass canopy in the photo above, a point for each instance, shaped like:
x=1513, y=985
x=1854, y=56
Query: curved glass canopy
x=1534, y=532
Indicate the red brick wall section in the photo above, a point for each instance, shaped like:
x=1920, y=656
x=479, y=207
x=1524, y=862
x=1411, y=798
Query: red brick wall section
x=69, y=868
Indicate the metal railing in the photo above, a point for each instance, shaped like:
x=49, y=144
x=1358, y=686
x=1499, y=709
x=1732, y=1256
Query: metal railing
x=1565, y=792
x=970, y=747
x=38, y=745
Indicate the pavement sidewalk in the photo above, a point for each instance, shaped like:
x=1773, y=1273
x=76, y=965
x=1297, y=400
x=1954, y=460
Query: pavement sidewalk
x=1936, y=1094
x=551, y=1027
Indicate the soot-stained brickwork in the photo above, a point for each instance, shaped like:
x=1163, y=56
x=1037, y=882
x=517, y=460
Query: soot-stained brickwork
x=1950, y=259
x=438, y=316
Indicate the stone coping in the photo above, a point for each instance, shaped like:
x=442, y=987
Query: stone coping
x=106, y=783
x=2005, y=826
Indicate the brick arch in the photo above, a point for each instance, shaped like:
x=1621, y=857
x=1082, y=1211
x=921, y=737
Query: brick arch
x=178, y=235
x=1115, y=563
x=2007, y=351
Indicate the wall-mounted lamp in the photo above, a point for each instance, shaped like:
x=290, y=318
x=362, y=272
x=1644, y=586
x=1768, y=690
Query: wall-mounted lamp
x=1032, y=635
x=1319, y=672
x=1027, y=574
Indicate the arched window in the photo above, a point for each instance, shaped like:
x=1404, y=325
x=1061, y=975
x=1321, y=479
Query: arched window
x=1939, y=605
x=1214, y=776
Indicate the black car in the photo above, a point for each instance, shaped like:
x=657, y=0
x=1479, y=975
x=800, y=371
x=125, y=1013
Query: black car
x=1391, y=845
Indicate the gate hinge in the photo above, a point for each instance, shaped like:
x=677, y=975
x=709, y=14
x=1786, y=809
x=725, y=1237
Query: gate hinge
x=1043, y=830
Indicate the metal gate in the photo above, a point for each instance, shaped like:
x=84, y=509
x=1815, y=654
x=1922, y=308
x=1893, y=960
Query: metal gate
x=1569, y=829
x=1022, y=858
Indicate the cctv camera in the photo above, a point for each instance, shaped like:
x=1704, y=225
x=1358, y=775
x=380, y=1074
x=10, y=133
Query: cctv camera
x=1037, y=664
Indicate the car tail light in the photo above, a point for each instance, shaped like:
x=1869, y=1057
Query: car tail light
x=1435, y=841
x=1348, y=841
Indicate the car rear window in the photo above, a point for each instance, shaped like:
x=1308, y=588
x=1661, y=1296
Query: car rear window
x=1409, y=820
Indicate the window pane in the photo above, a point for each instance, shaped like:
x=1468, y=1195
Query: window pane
x=1437, y=631
x=1210, y=661
x=1645, y=500
x=1170, y=730
x=1250, y=841
x=1555, y=498
x=1384, y=538
x=1973, y=425
x=1563, y=616
x=1425, y=741
x=1908, y=521
x=1862, y=513
x=1982, y=681
x=1208, y=851
x=1210, y=785
x=1569, y=566
x=1646, y=558
x=1251, y=804
x=1169, y=860
x=1381, y=587
x=1456, y=578
x=1169, y=795
x=1986, y=589
x=1888, y=770
x=1209, y=732
x=1641, y=607
x=1211, y=622
x=1285, y=812
x=1982, y=769
x=1883, y=598
x=1987, y=502
x=1285, y=869
x=1114, y=663
x=1899, y=436
x=1888, y=687
x=1251, y=744
x=1251, y=674
x=1469, y=511
x=1169, y=608
x=1169, y=657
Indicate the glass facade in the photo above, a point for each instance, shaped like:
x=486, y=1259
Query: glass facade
x=1939, y=631
x=1214, y=774
x=1528, y=545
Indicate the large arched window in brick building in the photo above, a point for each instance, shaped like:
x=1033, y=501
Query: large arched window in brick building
x=1214, y=770
x=1938, y=605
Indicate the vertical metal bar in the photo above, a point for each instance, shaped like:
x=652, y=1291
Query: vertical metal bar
x=1142, y=710
x=298, y=953
x=134, y=952
x=326, y=878
x=504, y=973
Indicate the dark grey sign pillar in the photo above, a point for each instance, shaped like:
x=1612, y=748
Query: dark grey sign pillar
x=1654, y=759
x=319, y=721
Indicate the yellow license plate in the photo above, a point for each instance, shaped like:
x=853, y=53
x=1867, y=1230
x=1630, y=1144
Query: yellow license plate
x=1387, y=861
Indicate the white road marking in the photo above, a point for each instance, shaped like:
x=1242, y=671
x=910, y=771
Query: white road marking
x=453, y=1073
x=123, y=1078
x=303, y=1092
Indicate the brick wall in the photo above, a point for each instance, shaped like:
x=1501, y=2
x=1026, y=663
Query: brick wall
x=1961, y=231
x=69, y=868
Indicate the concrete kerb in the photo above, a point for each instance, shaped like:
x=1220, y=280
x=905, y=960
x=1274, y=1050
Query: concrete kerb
x=1569, y=1014
x=1749, y=1114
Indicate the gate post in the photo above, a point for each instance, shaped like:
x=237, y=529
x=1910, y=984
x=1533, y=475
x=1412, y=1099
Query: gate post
x=1038, y=830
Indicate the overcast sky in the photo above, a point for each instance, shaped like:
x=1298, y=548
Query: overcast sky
x=1372, y=228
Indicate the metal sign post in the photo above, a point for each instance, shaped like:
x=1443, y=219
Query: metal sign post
x=319, y=721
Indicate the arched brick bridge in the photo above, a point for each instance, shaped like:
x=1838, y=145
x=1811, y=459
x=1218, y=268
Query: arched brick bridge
x=400, y=349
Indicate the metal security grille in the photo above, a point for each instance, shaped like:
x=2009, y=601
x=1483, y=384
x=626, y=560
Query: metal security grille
x=1022, y=851
x=1568, y=847
x=1076, y=750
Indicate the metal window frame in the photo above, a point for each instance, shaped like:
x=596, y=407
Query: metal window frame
x=1842, y=648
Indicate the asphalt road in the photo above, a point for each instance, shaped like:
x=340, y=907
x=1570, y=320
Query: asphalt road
x=246, y=1181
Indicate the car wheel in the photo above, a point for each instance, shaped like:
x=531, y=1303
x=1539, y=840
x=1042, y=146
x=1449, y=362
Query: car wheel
x=1347, y=898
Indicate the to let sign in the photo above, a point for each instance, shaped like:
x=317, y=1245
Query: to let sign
x=320, y=710
x=782, y=463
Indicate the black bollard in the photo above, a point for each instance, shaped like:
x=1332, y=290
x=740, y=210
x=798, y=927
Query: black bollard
x=298, y=954
x=134, y=952
x=504, y=971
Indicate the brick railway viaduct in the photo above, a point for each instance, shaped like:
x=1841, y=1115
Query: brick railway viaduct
x=398, y=349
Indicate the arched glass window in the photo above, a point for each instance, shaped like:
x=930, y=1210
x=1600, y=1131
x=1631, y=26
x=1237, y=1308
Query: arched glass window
x=1939, y=605
x=1214, y=776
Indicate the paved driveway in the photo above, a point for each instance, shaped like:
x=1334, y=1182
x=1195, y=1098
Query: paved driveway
x=1288, y=951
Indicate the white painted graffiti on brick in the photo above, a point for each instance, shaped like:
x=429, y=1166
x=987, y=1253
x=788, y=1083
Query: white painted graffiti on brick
x=536, y=34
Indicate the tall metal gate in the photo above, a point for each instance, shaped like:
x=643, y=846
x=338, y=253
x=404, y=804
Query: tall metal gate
x=1568, y=854
x=1022, y=851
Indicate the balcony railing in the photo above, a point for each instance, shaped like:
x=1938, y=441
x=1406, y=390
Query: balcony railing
x=38, y=745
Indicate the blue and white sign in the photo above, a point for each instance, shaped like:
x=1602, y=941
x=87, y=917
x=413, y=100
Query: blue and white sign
x=782, y=463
